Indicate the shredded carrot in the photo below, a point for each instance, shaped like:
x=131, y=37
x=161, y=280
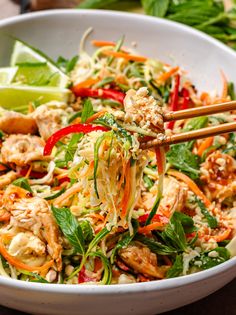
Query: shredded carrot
x=76, y=121
x=225, y=86
x=20, y=265
x=118, y=54
x=102, y=43
x=205, y=98
x=150, y=227
x=220, y=237
x=160, y=162
x=61, y=176
x=125, y=199
x=166, y=75
x=87, y=83
x=90, y=168
x=29, y=171
x=191, y=185
x=71, y=191
x=95, y=116
x=205, y=145
x=97, y=216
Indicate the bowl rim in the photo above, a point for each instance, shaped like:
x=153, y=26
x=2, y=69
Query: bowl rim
x=156, y=285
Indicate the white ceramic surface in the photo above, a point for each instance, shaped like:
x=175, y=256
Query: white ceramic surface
x=58, y=33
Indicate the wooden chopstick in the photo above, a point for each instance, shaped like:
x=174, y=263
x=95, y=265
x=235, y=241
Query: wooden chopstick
x=200, y=111
x=190, y=135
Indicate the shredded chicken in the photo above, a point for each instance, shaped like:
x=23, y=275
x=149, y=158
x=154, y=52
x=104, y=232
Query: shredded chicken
x=12, y=122
x=143, y=109
x=28, y=248
x=22, y=149
x=48, y=120
x=7, y=178
x=142, y=260
x=33, y=214
x=218, y=172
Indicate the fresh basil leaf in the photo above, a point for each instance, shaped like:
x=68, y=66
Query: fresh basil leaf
x=107, y=274
x=186, y=221
x=174, y=233
x=212, y=221
x=67, y=65
x=86, y=230
x=177, y=268
x=23, y=183
x=211, y=258
x=181, y=158
x=70, y=228
x=125, y=240
x=87, y=110
x=156, y=8
x=72, y=146
x=155, y=246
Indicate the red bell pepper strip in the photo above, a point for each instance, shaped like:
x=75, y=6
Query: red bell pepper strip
x=156, y=218
x=174, y=100
x=32, y=174
x=186, y=98
x=77, y=128
x=99, y=93
x=82, y=277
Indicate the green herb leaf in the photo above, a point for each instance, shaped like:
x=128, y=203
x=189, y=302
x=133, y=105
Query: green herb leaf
x=231, y=91
x=155, y=246
x=180, y=157
x=177, y=268
x=67, y=65
x=70, y=228
x=186, y=221
x=87, y=110
x=174, y=234
x=125, y=240
x=212, y=221
x=72, y=146
x=23, y=183
x=86, y=230
x=97, y=239
x=156, y=8
x=212, y=258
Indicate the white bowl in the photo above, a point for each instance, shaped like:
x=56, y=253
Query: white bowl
x=58, y=33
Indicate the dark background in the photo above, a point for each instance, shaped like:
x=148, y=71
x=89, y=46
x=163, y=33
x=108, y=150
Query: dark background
x=223, y=302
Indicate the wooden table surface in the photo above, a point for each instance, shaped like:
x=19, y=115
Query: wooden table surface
x=223, y=302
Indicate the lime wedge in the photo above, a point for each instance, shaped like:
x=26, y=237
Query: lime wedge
x=30, y=62
x=17, y=98
x=7, y=75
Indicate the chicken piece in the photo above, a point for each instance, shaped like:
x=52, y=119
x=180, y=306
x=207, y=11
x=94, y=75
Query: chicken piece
x=12, y=122
x=174, y=196
x=28, y=248
x=7, y=178
x=48, y=120
x=142, y=260
x=218, y=173
x=144, y=110
x=34, y=215
x=22, y=149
